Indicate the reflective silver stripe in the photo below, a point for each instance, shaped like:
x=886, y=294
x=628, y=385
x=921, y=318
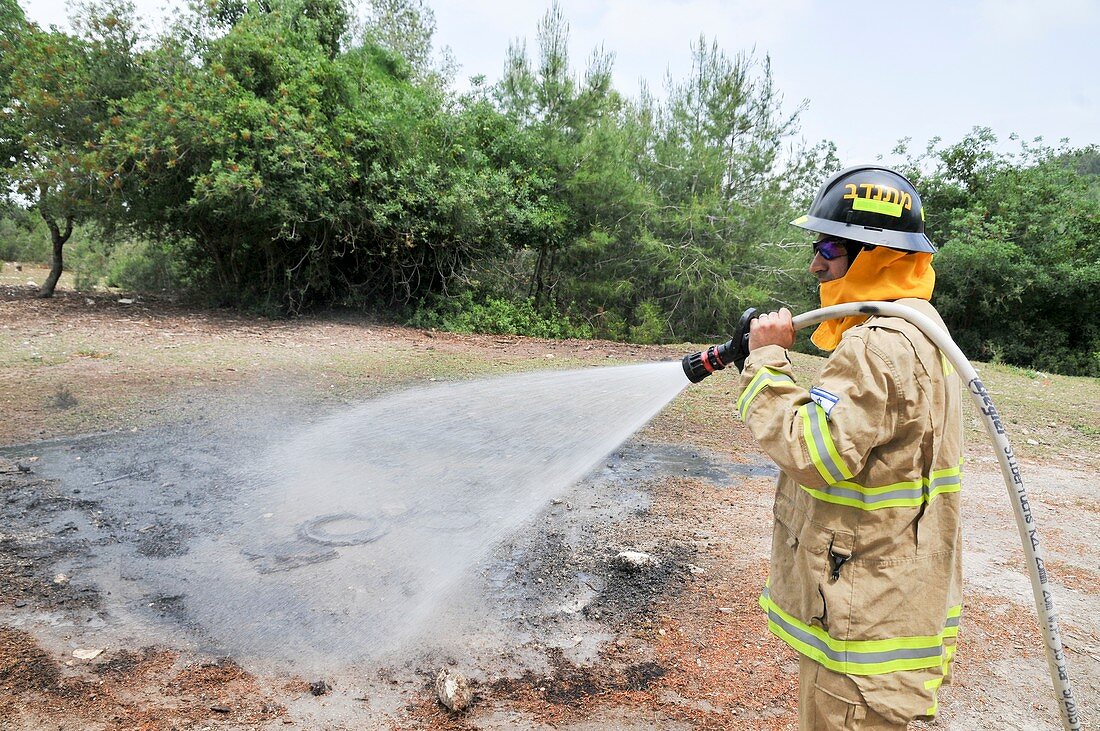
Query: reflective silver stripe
x=820, y=449
x=915, y=494
x=852, y=656
x=862, y=657
x=942, y=482
x=763, y=379
x=903, y=494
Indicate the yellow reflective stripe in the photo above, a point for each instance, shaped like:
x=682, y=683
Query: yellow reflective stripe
x=907, y=494
x=935, y=683
x=764, y=378
x=948, y=368
x=819, y=442
x=884, y=207
x=854, y=657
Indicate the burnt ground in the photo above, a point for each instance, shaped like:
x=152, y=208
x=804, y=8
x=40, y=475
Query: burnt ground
x=550, y=630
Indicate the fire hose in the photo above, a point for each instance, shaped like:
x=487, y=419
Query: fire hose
x=698, y=366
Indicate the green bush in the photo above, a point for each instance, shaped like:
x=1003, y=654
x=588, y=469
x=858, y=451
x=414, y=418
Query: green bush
x=610, y=325
x=133, y=264
x=23, y=237
x=1019, y=267
x=465, y=314
x=651, y=325
x=143, y=266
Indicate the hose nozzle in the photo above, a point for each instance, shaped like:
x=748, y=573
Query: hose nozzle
x=698, y=366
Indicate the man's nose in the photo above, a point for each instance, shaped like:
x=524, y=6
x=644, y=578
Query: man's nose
x=817, y=264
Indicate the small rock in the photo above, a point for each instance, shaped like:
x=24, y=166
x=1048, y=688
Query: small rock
x=453, y=690
x=125, y=301
x=89, y=654
x=1033, y=442
x=220, y=709
x=61, y=579
x=695, y=570
x=319, y=687
x=635, y=560
x=726, y=610
x=20, y=603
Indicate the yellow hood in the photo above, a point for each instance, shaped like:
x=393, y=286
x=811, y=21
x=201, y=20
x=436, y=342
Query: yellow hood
x=876, y=274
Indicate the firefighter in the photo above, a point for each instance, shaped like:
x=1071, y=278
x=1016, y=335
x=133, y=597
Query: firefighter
x=866, y=571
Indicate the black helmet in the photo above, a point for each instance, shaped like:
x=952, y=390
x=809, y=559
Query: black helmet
x=872, y=205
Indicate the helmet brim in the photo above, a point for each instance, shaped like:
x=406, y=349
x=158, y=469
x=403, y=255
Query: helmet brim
x=901, y=240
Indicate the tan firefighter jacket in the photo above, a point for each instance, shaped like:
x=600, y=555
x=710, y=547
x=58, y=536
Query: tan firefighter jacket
x=866, y=566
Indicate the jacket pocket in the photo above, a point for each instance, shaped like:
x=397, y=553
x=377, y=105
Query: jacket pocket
x=831, y=551
x=906, y=597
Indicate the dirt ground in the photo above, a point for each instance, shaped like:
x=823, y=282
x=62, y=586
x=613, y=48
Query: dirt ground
x=549, y=630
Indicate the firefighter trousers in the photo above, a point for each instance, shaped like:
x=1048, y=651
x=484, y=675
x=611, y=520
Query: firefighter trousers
x=829, y=701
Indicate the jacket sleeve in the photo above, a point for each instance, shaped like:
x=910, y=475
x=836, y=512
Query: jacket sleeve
x=822, y=436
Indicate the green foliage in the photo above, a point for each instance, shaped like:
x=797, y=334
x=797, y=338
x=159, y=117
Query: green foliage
x=651, y=326
x=12, y=24
x=405, y=29
x=298, y=177
x=61, y=91
x=1019, y=266
x=23, y=237
x=660, y=219
x=467, y=314
x=122, y=261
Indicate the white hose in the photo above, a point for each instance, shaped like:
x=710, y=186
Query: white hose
x=1025, y=519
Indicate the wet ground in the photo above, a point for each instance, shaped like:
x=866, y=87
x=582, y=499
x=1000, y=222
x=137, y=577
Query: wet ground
x=114, y=537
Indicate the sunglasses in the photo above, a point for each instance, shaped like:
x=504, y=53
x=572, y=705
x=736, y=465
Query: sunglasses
x=830, y=249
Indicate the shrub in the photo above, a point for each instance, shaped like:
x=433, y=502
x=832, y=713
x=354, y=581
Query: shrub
x=23, y=237
x=125, y=262
x=141, y=265
x=466, y=314
x=651, y=326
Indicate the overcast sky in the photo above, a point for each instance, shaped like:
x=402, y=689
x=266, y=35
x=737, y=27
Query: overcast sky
x=871, y=72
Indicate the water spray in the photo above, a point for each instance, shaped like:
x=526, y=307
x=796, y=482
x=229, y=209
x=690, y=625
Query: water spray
x=698, y=366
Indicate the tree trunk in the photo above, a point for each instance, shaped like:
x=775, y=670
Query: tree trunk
x=535, y=290
x=58, y=238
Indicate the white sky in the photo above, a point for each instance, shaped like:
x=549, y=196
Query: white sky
x=872, y=72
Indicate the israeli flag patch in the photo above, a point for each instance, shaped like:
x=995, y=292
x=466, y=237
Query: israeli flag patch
x=824, y=399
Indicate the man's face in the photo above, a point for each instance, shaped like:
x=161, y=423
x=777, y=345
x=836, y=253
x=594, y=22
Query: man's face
x=830, y=260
